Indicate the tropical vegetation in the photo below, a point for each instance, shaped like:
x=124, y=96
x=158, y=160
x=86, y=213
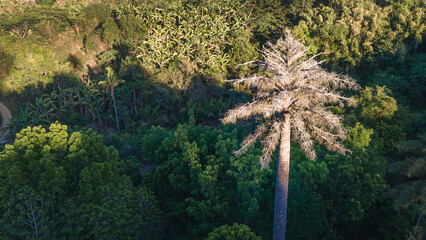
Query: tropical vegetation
x=125, y=119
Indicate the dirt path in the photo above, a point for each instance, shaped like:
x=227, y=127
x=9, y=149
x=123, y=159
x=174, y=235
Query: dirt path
x=5, y=119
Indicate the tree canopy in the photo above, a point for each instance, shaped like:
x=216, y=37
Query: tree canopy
x=56, y=184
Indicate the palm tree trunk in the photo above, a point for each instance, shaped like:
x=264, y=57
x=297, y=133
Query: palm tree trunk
x=283, y=173
x=115, y=109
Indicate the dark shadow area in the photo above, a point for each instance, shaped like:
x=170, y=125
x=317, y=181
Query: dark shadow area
x=402, y=70
x=208, y=101
x=74, y=60
x=94, y=70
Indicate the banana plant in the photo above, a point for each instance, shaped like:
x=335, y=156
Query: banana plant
x=194, y=36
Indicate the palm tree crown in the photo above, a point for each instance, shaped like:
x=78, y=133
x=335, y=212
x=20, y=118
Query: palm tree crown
x=296, y=85
x=111, y=81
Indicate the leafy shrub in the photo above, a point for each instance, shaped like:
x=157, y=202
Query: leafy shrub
x=234, y=232
x=46, y=2
x=376, y=104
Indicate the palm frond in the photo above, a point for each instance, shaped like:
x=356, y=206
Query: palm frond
x=296, y=84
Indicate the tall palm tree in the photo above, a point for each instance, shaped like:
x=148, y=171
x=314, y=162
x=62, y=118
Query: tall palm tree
x=294, y=98
x=110, y=83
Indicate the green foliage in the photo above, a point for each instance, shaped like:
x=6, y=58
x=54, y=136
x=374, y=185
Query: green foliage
x=200, y=184
x=389, y=137
x=20, y=207
x=110, y=83
x=412, y=167
x=384, y=222
x=402, y=73
x=133, y=30
x=208, y=49
x=52, y=181
x=45, y=2
x=10, y=6
x=111, y=209
x=36, y=68
x=356, y=30
x=345, y=186
x=234, y=232
x=6, y=62
x=36, y=23
x=207, y=110
x=111, y=32
x=359, y=137
x=83, y=103
x=91, y=27
x=191, y=159
x=186, y=48
x=305, y=207
x=108, y=58
x=95, y=13
x=43, y=112
x=408, y=18
x=111, y=80
x=267, y=18
x=126, y=144
x=75, y=106
x=376, y=104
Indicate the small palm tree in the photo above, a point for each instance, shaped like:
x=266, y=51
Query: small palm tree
x=110, y=83
x=293, y=97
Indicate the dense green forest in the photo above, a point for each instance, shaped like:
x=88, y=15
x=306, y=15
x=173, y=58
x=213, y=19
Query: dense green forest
x=119, y=111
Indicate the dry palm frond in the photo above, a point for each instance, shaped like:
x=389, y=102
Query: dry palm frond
x=251, y=139
x=300, y=86
x=270, y=143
